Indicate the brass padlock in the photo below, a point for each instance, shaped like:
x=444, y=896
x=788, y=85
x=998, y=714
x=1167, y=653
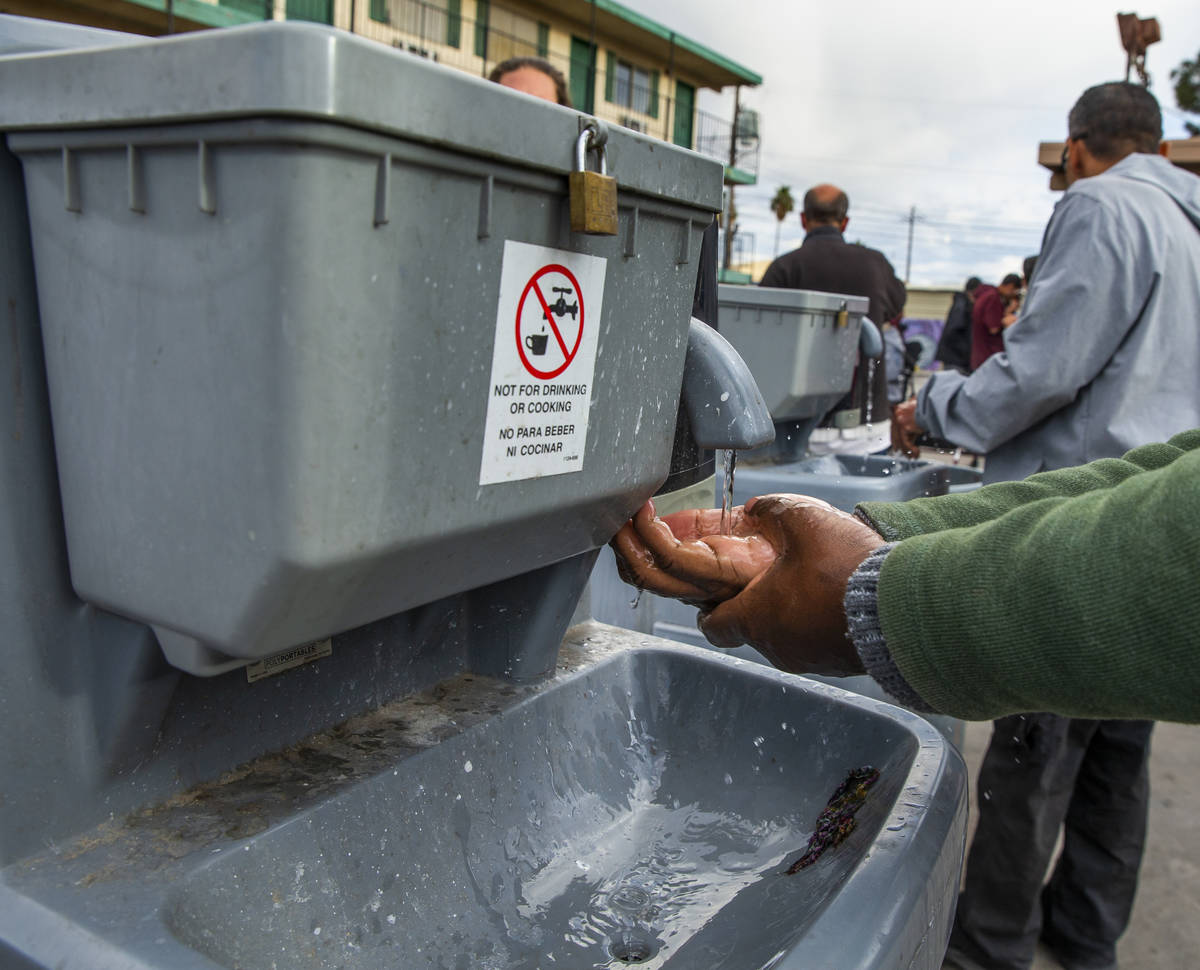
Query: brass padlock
x=593, y=194
x=843, y=316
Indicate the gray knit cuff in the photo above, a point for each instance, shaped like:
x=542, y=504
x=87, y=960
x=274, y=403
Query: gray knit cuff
x=862, y=615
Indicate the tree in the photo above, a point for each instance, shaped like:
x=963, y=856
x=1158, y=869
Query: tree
x=782, y=205
x=1187, y=90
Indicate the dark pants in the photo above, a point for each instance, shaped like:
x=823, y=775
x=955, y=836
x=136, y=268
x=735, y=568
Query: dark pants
x=1042, y=772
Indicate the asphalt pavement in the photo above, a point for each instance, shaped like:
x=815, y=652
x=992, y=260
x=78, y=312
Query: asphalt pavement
x=1164, y=933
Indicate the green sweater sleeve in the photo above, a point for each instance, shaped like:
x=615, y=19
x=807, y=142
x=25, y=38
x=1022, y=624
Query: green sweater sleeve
x=900, y=520
x=1074, y=591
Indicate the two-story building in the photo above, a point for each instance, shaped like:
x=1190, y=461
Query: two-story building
x=620, y=66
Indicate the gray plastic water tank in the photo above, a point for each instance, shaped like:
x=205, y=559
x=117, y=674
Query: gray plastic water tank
x=800, y=345
x=276, y=274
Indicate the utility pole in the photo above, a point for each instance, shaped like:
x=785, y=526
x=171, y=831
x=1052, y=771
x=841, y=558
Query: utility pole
x=912, y=221
x=731, y=211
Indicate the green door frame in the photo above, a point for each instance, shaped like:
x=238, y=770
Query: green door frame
x=583, y=75
x=685, y=113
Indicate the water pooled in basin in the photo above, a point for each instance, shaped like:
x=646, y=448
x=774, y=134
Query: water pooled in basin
x=727, y=493
x=652, y=883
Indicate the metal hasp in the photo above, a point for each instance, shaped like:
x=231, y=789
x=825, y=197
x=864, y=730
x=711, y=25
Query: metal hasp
x=593, y=194
x=723, y=402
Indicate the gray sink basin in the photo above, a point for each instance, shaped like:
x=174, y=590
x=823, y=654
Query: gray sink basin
x=640, y=808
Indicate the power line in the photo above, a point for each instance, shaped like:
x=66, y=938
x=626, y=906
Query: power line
x=989, y=105
x=905, y=167
x=945, y=225
x=946, y=221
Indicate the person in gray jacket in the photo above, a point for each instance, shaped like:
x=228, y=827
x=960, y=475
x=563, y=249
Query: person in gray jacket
x=1104, y=357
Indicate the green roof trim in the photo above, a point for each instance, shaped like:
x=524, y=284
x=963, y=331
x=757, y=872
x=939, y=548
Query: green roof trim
x=201, y=13
x=746, y=75
x=737, y=176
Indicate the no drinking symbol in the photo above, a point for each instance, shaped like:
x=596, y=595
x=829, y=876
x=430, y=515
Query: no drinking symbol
x=549, y=321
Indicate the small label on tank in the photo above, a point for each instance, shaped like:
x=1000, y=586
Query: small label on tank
x=288, y=659
x=543, y=360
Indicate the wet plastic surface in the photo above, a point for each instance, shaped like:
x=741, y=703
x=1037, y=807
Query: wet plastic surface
x=845, y=480
x=247, y=225
x=641, y=806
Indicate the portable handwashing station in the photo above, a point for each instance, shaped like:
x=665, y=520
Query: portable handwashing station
x=319, y=413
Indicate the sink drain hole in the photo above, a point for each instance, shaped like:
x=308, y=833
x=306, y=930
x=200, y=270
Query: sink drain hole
x=631, y=950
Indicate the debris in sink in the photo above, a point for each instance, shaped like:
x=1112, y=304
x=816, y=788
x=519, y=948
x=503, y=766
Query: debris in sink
x=836, y=822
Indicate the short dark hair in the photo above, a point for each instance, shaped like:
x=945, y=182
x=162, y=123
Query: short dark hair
x=1012, y=279
x=1116, y=119
x=973, y=283
x=1028, y=266
x=538, y=64
x=825, y=212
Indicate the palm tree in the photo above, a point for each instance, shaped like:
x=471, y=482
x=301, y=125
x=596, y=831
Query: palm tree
x=782, y=205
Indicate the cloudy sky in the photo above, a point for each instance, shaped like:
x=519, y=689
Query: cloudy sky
x=938, y=104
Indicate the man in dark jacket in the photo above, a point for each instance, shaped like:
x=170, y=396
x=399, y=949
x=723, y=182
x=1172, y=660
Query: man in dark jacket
x=954, y=345
x=829, y=264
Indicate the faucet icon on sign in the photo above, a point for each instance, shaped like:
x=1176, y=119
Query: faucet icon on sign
x=560, y=307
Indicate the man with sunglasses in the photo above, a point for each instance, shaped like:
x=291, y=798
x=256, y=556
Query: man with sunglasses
x=1104, y=357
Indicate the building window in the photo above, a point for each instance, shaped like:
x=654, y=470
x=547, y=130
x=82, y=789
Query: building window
x=439, y=21
x=631, y=87
x=512, y=34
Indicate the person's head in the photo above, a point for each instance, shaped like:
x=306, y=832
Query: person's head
x=1109, y=122
x=533, y=76
x=1010, y=286
x=1027, y=268
x=973, y=283
x=825, y=205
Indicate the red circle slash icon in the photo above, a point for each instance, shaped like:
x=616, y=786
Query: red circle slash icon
x=549, y=326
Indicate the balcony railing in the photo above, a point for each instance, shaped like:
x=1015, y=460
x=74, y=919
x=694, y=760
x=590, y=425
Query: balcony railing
x=715, y=136
x=475, y=37
x=744, y=254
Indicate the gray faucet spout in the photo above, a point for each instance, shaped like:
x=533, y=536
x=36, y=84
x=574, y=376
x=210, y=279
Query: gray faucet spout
x=724, y=405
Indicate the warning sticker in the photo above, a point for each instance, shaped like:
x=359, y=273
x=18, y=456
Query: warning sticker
x=543, y=359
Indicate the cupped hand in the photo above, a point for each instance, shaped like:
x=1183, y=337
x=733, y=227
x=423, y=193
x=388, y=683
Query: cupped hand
x=792, y=611
x=686, y=556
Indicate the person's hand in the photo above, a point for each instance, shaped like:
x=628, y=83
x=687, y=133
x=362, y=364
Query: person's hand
x=777, y=583
x=905, y=429
x=1009, y=318
x=792, y=612
x=685, y=556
